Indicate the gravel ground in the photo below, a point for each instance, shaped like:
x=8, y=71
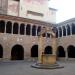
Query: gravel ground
x=24, y=68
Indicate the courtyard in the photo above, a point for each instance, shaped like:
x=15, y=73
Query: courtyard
x=24, y=68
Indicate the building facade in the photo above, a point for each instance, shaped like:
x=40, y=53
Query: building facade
x=65, y=33
x=20, y=23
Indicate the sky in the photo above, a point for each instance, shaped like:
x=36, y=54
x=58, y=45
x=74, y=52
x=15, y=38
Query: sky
x=65, y=9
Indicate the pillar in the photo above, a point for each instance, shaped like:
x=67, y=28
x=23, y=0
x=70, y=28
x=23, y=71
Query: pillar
x=40, y=48
x=70, y=29
x=66, y=58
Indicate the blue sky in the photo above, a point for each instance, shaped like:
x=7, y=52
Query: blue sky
x=66, y=9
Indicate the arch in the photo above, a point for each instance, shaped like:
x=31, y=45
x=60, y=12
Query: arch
x=2, y=26
x=48, y=50
x=28, y=29
x=15, y=28
x=71, y=51
x=60, y=52
x=38, y=30
x=68, y=30
x=34, y=51
x=22, y=29
x=48, y=35
x=9, y=27
x=64, y=31
x=60, y=32
x=33, y=30
x=56, y=32
x=1, y=51
x=73, y=28
x=17, y=52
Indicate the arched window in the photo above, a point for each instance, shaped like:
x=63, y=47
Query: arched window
x=33, y=30
x=28, y=28
x=38, y=30
x=22, y=29
x=9, y=27
x=48, y=35
x=48, y=50
x=60, y=32
x=60, y=52
x=71, y=51
x=1, y=51
x=17, y=52
x=15, y=28
x=34, y=51
x=64, y=31
x=2, y=26
x=56, y=32
x=73, y=28
x=68, y=30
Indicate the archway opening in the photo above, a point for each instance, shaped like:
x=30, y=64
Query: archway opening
x=48, y=50
x=9, y=27
x=2, y=26
x=34, y=51
x=60, y=52
x=17, y=53
x=71, y=51
x=1, y=51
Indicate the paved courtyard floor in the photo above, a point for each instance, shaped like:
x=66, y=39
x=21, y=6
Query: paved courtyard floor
x=24, y=68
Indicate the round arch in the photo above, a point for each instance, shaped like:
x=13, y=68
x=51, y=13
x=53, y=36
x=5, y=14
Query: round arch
x=34, y=30
x=60, y=32
x=15, y=28
x=34, y=51
x=48, y=50
x=60, y=52
x=2, y=26
x=17, y=52
x=68, y=29
x=64, y=31
x=9, y=27
x=1, y=51
x=71, y=51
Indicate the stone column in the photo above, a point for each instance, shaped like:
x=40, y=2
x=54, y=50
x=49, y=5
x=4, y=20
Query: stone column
x=31, y=30
x=66, y=30
x=36, y=30
x=54, y=45
x=19, y=28
x=12, y=27
x=40, y=48
x=62, y=31
x=5, y=27
x=58, y=32
x=70, y=29
x=66, y=54
x=25, y=30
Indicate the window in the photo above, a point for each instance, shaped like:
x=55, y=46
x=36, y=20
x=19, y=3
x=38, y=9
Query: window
x=48, y=35
x=38, y=30
x=28, y=28
x=64, y=31
x=15, y=28
x=60, y=32
x=34, y=13
x=2, y=26
x=68, y=30
x=73, y=28
x=22, y=29
x=34, y=31
x=8, y=27
x=16, y=0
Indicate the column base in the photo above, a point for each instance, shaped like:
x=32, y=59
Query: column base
x=47, y=66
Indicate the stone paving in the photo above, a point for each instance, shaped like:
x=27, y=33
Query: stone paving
x=24, y=68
